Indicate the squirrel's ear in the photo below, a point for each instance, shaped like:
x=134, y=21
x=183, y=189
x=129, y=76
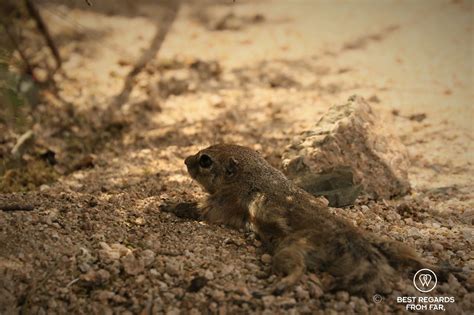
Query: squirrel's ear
x=232, y=166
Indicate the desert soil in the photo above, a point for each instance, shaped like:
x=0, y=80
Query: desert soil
x=250, y=73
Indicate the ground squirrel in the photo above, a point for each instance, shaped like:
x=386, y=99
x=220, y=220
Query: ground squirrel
x=245, y=191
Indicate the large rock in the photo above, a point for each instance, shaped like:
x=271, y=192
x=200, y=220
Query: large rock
x=353, y=135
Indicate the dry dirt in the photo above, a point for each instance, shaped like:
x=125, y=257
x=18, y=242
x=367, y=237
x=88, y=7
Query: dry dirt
x=249, y=73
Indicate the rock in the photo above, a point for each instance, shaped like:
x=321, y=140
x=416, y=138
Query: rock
x=178, y=292
x=336, y=185
x=414, y=232
x=140, y=278
x=132, y=265
x=207, y=70
x=197, y=284
x=218, y=295
x=229, y=22
x=268, y=301
x=266, y=259
x=52, y=304
x=152, y=241
x=222, y=310
x=437, y=247
x=361, y=306
x=173, y=86
x=194, y=311
x=301, y=293
x=163, y=286
x=173, y=311
x=340, y=306
x=453, y=283
x=252, y=267
x=147, y=256
x=470, y=280
x=351, y=135
x=172, y=268
x=95, y=278
x=315, y=290
x=241, y=288
x=44, y=187
x=108, y=254
x=85, y=259
x=103, y=295
x=285, y=302
x=209, y=275
x=342, y=296
x=467, y=216
x=227, y=269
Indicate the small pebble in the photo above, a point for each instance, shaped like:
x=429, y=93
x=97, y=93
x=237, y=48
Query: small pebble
x=218, y=295
x=197, y=284
x=268, y=301
x=132, y=265
x=147, y=256
x=209, y=275
x=301, y=293
x=340, y=306
x=172, y=269
x=266, y=259
x=437, y=247
x=342, y=296
x=315, y=291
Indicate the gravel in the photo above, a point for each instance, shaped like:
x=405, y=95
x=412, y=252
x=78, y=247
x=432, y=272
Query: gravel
x=97, y=242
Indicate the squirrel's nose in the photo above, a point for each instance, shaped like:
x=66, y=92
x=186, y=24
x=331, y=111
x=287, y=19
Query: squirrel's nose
x=187, y=161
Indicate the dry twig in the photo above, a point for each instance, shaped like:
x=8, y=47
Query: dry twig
x=162, y=30
x=33, y=11
x=15, y=206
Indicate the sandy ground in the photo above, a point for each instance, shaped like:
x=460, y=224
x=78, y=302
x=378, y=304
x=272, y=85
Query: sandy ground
x=257, y=78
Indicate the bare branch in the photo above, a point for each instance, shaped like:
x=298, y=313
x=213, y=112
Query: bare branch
x=162, y=29
x=16, y=207
x=33, y=11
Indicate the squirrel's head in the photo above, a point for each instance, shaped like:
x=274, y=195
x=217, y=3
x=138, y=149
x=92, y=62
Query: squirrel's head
x=220, y=165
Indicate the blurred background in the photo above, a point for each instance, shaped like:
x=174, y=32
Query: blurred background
x=414, y=59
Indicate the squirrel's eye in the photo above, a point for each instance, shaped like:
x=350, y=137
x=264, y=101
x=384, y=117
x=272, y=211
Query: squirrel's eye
x=205, y=161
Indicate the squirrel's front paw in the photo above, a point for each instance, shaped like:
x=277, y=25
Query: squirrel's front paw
x=187, y=210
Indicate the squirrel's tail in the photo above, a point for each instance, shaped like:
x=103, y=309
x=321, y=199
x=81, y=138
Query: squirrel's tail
x=399, y=255
x=403, y=258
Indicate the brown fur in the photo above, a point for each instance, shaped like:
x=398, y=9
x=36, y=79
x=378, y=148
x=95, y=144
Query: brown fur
x=246, y=191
